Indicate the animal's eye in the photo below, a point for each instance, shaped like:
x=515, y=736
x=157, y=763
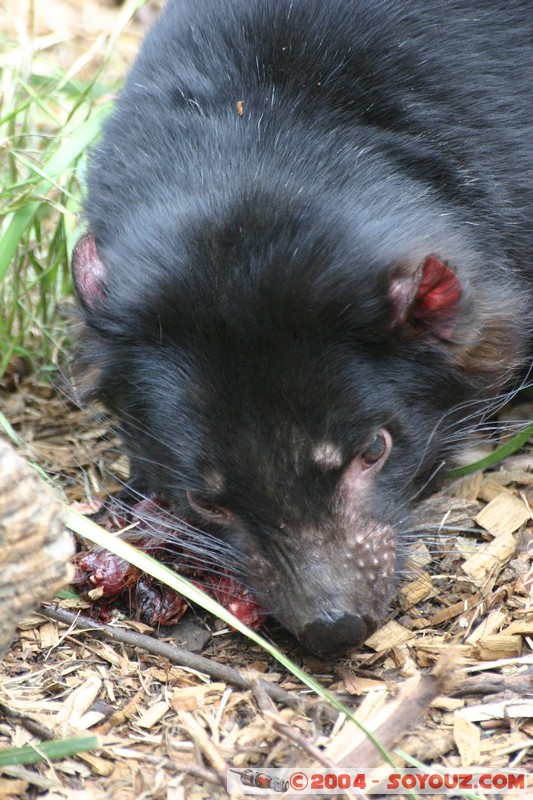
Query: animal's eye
x=209, y=510
x=374, y=451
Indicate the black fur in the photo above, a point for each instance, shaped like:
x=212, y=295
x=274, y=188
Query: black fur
x=271, y=169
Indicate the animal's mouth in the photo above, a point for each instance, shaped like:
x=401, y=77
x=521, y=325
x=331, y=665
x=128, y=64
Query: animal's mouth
x=335, y=637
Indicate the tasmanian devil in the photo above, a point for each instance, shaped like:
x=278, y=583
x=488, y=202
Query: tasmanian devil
x=308, y=270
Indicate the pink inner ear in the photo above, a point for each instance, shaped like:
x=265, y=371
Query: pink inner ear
x=431, y=298
x=89, y=273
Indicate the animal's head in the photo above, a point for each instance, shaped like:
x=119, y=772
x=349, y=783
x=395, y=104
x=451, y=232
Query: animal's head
x=292, y=390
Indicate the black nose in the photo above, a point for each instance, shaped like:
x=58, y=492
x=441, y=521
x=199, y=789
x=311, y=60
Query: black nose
x=330, y=636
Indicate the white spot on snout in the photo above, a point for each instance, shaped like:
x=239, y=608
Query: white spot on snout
x=327, y=456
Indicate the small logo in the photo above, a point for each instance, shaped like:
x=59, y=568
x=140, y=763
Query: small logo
x=260, y=780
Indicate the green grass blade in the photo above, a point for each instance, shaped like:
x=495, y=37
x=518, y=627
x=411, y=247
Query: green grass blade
x=60, y=748
x=497, y=455
x=7, y=429
x=73, y=146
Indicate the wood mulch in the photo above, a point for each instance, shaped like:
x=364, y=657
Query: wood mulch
x=169, y=726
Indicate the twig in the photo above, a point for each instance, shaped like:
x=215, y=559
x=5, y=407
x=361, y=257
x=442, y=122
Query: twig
x=270, y=712
x=521, y=683
x=30, y=724
x=202, y=740
x=404, y=712
x=176, y=655
x=187, y=769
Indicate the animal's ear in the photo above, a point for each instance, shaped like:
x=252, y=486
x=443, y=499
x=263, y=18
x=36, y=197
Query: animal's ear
x=89, y=273
x=427, y=300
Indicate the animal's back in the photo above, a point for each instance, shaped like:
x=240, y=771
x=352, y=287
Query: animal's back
x=444, y=89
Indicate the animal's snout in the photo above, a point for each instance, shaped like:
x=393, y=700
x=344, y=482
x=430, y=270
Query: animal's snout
x=334, y=582
x=332, y=635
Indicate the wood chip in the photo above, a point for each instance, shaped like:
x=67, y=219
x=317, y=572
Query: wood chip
x=455, y=610
x=358, y=686
x=99, y=766
x=48, y=635
x=503, y=515
x=390, y=635
x=505, y=709
x=506, y=743
x=468, y=487
x=498, y=646
x=153, y=715
x=191, y=698
x=77, y=703
x=467, y=737
x=523, y=626
x=490, y=558
x=490, y=490
x=12, y=788
x=447, y=703
x=489, y=625
x=506, y=476
x=415, y=591
x=372, y=703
